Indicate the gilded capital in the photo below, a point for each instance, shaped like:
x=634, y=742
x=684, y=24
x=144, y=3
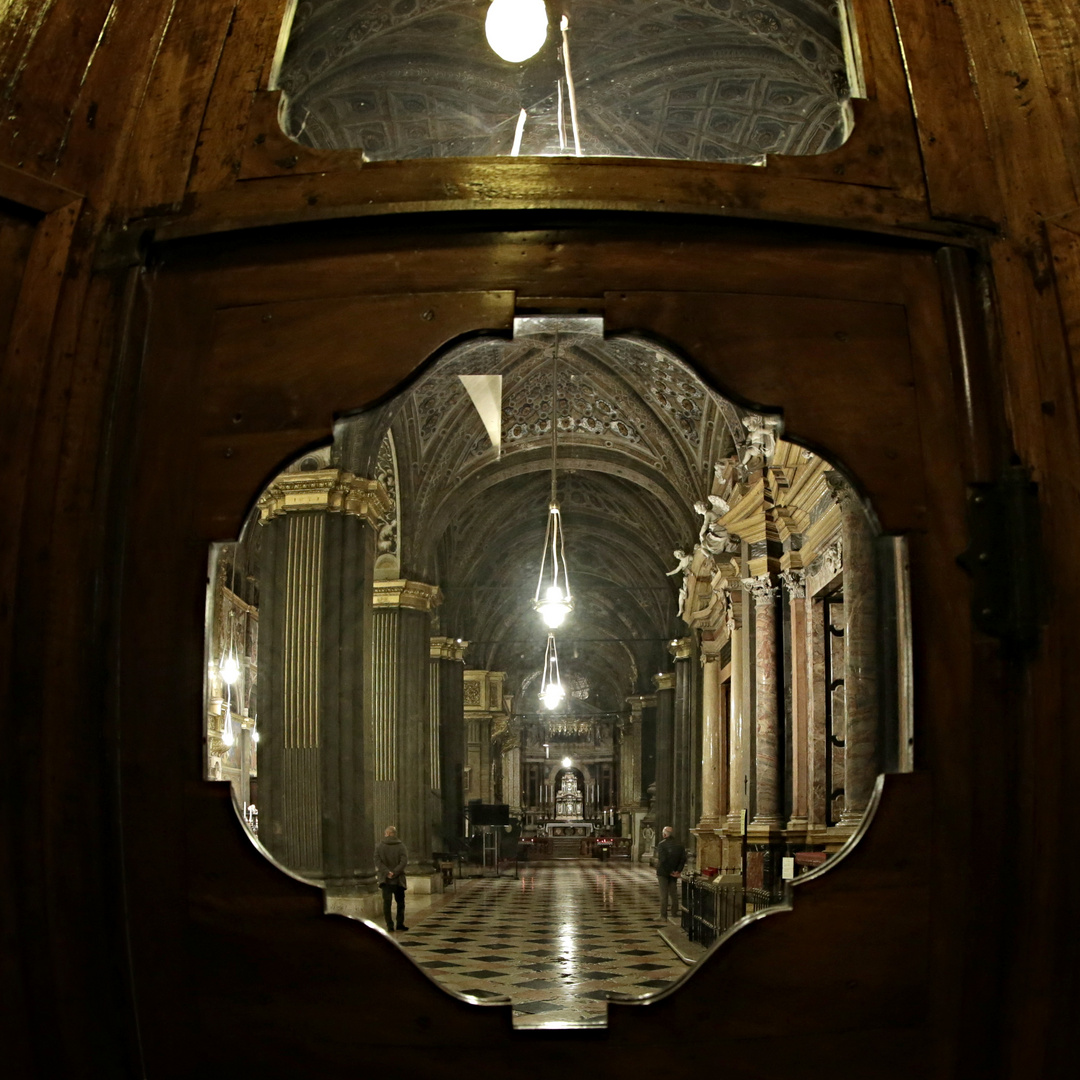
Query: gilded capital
x=415, y=595
x=448, y=648
x=664, y=681
x=324, y=490
x=681, y=648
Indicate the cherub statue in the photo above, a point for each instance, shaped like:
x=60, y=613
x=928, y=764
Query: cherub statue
x=760, y=443
x=684, y=562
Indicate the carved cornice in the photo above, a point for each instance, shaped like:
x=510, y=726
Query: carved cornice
x=415, y=595
x=326, y=491
x=447, y=648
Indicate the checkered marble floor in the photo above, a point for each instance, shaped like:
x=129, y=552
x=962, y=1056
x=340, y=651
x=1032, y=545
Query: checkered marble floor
x=555, y=942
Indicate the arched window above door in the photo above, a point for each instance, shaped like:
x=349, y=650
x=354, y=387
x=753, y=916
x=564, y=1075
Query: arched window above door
x=700, y=80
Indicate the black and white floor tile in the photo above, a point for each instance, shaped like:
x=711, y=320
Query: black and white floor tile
x=555, y=941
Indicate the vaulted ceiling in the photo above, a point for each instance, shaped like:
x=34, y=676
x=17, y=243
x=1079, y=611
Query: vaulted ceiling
x=711, y=80
x=638, y=435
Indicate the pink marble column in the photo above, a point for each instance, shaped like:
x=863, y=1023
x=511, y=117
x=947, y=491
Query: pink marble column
x=795, y=583
x=711, y=743
x=736, y=742
x=767, y=781
x=861, y=757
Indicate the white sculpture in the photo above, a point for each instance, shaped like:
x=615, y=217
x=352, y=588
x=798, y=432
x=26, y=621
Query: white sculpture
x=710, y=512
x=761, y=432
x=684, y=562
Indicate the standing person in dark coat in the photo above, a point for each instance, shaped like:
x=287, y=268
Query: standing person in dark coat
x=391, y=858
x=670, y=860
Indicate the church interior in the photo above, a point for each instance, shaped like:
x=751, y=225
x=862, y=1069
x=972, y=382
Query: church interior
x=534, y=425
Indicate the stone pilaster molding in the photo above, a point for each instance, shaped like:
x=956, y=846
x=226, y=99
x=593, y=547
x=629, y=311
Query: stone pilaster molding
x=406, y=594
x=326, y=490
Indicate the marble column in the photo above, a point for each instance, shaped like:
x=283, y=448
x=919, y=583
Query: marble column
x=861, y=750
x=631, y=792
x=400, y=715
x=447, y=727
x=663, y=802
x=767, y=713
x=795, y=583
x=817, y=745
x=318, y=553
x=737, y=746
x=683, y=732
x=712, y=753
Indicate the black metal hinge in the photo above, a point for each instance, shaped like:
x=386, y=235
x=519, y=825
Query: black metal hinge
x=1004, y=558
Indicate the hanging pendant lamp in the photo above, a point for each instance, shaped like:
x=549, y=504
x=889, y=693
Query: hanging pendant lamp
x=553, y=599
x=551, y=687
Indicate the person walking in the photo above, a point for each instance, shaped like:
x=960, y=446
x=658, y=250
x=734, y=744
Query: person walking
x=670, y=860
x=391, y=858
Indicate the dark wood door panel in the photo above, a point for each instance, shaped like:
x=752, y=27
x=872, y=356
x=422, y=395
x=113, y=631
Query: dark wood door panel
x=277, y=374
x=581, y=256
x=840, y=370
x=847, y=342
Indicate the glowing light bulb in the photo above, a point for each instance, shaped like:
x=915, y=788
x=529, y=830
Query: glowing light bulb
x=552, y=694
x=553, y=609
x=230, y=669
x=254, y=733
x=516, y=29
x=567, y=762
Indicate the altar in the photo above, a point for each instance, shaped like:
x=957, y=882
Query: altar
x=569, y=808
x=568, y=828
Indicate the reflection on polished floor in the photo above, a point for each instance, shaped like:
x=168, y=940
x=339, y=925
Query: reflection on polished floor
x=555, y=941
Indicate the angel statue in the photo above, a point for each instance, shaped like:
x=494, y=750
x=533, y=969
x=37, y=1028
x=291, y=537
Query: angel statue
x=710, y=512
x=718, y=541
x=684, y=562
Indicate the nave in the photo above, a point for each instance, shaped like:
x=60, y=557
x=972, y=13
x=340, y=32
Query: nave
x=555, y=941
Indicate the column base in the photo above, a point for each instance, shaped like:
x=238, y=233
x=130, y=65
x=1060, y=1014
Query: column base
x=710, y=847
x=796, y=832
x=766, y=831
x=424, y=884
x=837, y=836
x=852, y=819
